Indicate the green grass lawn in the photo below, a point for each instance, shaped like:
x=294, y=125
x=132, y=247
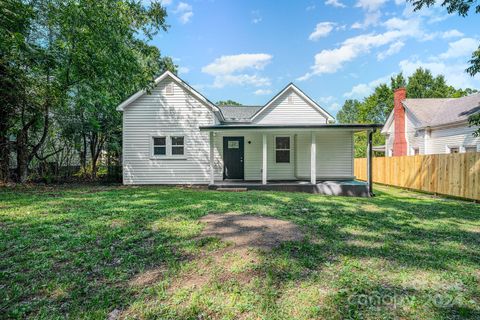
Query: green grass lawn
x=83, y=252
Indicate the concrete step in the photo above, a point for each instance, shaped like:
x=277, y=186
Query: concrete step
x=231, y=189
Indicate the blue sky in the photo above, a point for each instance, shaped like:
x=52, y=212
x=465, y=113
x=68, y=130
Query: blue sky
x=332, y=49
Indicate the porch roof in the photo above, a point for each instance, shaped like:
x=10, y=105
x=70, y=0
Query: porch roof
x=350, y=127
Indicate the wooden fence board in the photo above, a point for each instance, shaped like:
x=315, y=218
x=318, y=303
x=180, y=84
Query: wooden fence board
x=449, y=174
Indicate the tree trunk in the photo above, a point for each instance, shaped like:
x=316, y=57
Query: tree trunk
x=4, y=158
x=22, y=156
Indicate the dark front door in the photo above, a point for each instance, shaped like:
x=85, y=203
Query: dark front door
x=233, y=157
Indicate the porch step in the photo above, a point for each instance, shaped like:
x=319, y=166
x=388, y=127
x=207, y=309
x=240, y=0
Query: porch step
x=232, y=189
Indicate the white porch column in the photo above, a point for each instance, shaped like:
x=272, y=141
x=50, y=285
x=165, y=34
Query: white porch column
x=212, y=160
x=313, y=160
x=369, y=162
x=264, y=159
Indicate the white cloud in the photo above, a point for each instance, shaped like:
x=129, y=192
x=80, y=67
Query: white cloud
x=322, y=29
x=310, y=7
x=460, y=48
x=183, y=70
x=166, y=2
x=370, y=5
x=371, y=19
x=256, y=17
x=334, y=107
x=239, y=62
x=454, y=73
x=326, y=100
x=394, y=48
x=240, y=79
x=454, y=33
x=184, y=12
x=329, y=61
x=261, y=92
x=335, y=3
x=364, y=89
x=230, y=70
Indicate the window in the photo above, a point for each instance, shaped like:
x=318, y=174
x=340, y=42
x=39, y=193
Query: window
x=168, y=146
x=178, y=147
x=159, y=146
x=454, y=150
x=282, y=149
x=470, y=149
x=416, y=151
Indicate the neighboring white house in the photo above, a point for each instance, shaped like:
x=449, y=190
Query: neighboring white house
x=174, y=135
x=431, y=126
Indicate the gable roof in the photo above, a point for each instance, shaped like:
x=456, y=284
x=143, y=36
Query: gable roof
x=182, y=83
x=238, y=113
x=436, y=112
x=301, y=94
x=433, y=112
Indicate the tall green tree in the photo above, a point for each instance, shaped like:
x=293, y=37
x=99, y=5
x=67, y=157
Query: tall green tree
x=77, y=60
x=228, y=103
x=377, y=106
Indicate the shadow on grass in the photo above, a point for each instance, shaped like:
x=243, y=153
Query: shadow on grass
x=74, y=250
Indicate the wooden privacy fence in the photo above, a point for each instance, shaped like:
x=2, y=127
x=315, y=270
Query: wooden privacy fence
x=455, y=174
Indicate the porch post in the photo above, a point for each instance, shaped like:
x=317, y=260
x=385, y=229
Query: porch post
x=212, y=155
x=264, y=159
x=313, y=160
x=369, y=163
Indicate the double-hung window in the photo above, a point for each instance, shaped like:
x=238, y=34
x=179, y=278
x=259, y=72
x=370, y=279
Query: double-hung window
x=168, y=146
x=282, y=149
x=178, y=147
x=159, y=146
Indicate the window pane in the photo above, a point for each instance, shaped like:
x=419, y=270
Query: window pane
x=159, y=151
x=159, y=141
x=282, y=143
x=470, y=149
x=177, y=141
x=177, y=150
x=454, y=150
x=283, y=156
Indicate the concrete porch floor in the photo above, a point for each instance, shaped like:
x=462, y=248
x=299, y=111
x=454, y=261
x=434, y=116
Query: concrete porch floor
x=352, y=188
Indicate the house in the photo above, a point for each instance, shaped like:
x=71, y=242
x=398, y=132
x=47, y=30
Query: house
x=431, y=126
x=174, y=135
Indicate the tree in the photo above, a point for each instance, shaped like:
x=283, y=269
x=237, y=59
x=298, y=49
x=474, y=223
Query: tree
x=228, y=103
x=349, y=112
x=76, y=60
x=377, y=106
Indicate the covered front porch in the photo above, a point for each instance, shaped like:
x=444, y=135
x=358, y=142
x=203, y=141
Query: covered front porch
x=308, y=158
x=338, y=188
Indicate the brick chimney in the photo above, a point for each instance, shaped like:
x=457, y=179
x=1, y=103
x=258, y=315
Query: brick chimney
x=399, y=142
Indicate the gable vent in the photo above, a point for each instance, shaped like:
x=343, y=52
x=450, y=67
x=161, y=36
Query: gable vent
x=290, y=99
x=169, y=88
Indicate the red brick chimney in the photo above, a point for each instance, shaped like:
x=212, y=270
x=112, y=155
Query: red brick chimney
x=399, y=142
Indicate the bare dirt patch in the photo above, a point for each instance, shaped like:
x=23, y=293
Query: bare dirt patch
x=248, y=231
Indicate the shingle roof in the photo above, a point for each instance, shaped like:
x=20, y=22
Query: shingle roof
x=238, y=113
x=434, y=112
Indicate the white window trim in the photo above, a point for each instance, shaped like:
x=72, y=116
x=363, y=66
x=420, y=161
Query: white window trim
x=275, y=149
x=450, y=147
x=464, y=147
x=169, y=155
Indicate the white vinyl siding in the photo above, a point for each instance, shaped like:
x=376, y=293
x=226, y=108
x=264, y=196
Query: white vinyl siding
x=161, y=115
x=295, y=111
x=334, y=155
x=441, y=139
